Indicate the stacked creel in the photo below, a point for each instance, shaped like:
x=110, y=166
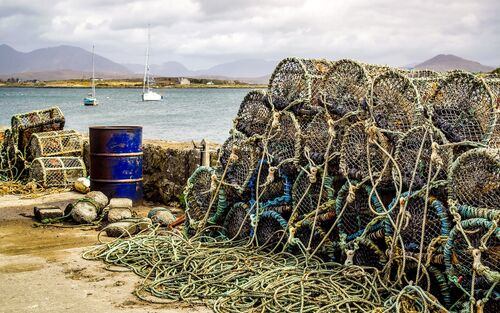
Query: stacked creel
x=366, y=165
x=37, y=145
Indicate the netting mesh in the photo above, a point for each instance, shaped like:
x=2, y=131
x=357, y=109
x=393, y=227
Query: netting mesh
x=494, y=85
x=55, y=143
x=359, y=156
x=271, y=230
x=474, y=179
x=320, y=132
x=462, y=259
x=57, y=171
x=237, y=222
x=395, y=105
x=200, y=193
x=237, y=161
x=311, y=236
x=283, y=144
x=418, y=151
x=353, y=210
x=254, y=114
x=346, y=88
x=463, y=109
x=367, y=253
x=295, y=83
x=308, y=191
x=410, y=214
x=25, y=124
x=270, y=187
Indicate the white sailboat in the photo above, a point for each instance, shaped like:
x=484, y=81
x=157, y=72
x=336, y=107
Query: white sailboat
x=91, y=98
x=147, y=92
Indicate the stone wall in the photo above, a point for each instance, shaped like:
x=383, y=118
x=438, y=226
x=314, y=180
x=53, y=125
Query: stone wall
x=167, y=167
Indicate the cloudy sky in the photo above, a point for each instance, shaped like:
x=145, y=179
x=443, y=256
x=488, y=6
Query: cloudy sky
x=201, y=33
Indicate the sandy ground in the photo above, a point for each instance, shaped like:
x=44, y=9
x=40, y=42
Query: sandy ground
x=41, y=269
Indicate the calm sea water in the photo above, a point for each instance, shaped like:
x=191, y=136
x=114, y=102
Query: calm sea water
x=183, y=115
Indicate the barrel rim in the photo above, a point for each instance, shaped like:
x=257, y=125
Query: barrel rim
x=115, y=127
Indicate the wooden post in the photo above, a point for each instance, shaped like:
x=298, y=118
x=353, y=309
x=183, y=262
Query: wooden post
x=205, y=153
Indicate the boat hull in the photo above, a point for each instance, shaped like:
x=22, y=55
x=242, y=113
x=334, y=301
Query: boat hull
x=90, y=101
x=151, y=96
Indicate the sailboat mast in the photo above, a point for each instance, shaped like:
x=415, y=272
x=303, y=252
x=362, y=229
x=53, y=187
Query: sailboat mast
x=93, y=75
x=146, y=66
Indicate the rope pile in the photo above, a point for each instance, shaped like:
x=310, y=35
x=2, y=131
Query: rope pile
x=345, y=187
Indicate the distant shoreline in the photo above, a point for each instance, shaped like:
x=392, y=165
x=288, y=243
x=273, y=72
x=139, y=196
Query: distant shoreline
x=130, y=83
x=134, y=87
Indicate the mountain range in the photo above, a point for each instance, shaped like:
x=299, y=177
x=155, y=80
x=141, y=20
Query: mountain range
x=67, y=62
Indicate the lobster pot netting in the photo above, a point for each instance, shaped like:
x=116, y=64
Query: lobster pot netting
x=494, y=85
x=237, y=160
x=199, y=193
x=308, y=191
x=295, y=84
x=346, y=88
x=57, y=171
x=307, y=233
x=484, y=238
x=237, y=222
x=434, y=280
x=414, y=157
x=254, y=114
x=367, y=253
x=474, y=179
x=315, y=139
x=25, y=124
x=394, y=104
x=359, y=157
x=354, y=213
x=463, y=109
x=270, y=187
x=408, y=214
x=426, y=87
x=271, y=230
x=283, y=143
x=55, y=143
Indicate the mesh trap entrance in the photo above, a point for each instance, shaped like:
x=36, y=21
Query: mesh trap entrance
x=237, y=222
x=254, y=114
x=463, y=108
x=271, y=230
x=474, y=179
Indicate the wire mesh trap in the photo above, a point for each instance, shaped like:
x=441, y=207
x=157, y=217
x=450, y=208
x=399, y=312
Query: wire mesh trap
x=295, y=84
x=237, y=222
x=360, y=156
x=271, y=230
x=474, y=179
x=394, y=104
x=323, y=133
x=463, y=109
x=355, y=216
x=309, y=235
x=309, y=193
x=415, y=217
x=57, y=171
x=283, y=144
x=237, y=160
x=25, y=124
x=203, y=193
x=364, y=252
x=418, y=151
x=254, y=115
x=494, y=85
x=346, y=88
x=55, y=143
x=270, y=187
x=471, y=254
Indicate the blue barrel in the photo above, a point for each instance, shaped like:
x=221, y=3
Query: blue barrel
x=116, y=161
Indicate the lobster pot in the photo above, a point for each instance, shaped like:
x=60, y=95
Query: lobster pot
x=26, y=124
x=463, y=108
x=57, y=171
x=55, y=143
x=295, y=84
x=494, y=85
x=346, y=88
x=254, y=115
